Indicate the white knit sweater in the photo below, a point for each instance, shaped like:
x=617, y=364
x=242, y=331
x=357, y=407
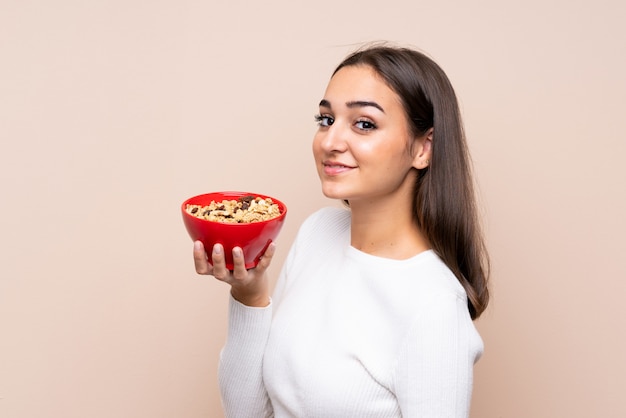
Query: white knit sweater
x=349, y=334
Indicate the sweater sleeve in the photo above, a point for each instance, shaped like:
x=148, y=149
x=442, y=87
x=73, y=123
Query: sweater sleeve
x=434, y=373
x=241, y=362
x=240, y=370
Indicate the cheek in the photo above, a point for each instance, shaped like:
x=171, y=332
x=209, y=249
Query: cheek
x=380, y=152
x=316, y=146
x=394, y=158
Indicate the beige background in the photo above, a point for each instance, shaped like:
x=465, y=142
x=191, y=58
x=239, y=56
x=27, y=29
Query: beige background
x=113, y=112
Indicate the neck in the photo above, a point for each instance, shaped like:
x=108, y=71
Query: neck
x=387, y=229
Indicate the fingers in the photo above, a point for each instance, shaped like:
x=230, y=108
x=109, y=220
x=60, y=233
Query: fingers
x=239, y=268
x=220, y=271
x=217, y=267
x=200, y=259
x=266, y=259
x=239, y=265
x=251, y=287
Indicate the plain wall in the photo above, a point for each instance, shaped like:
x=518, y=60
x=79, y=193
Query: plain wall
x=114, y=112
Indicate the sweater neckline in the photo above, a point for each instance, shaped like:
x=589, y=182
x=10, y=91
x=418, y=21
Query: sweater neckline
x=364, y=257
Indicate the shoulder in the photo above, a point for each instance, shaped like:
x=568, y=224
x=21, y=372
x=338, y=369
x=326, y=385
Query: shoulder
x=325, y=230
x=439, y=298
x=436, y=278
x=322, y=236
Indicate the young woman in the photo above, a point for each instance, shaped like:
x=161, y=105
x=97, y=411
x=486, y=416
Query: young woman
x=372, y=312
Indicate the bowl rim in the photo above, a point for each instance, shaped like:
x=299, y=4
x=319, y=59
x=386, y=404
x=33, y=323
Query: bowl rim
x=282, y=207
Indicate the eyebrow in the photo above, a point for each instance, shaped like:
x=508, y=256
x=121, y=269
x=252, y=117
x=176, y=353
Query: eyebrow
x=356, y=103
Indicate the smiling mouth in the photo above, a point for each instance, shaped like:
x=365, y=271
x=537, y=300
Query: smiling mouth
x=335, y=164
x=332, y=168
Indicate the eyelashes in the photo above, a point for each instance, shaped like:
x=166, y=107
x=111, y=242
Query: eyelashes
x=361, y=124
x=365, y=125
x=324, y=120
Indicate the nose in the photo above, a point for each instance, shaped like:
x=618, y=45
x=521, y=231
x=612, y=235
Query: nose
x=332, y=139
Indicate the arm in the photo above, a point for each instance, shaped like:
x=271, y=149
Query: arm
x=250, y=314
x=434, y=374
x=241, y=362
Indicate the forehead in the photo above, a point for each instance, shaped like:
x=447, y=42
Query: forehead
x=360, y=83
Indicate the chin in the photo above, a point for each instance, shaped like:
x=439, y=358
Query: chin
x=333, y=193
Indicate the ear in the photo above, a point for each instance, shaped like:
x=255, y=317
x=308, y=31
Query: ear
x=423, y=150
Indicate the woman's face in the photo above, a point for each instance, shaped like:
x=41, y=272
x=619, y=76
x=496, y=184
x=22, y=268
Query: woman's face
x=363, y=148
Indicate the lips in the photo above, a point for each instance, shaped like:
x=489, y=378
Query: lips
x=333, y=168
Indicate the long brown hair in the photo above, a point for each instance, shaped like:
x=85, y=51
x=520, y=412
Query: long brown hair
x=445, y=203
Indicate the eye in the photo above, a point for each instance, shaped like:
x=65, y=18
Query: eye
x=365, y=125
x=324, y=120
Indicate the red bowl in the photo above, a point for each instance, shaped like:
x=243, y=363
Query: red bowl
x=253, y=238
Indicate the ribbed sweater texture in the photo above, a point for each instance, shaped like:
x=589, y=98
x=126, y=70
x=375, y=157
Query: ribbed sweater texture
x=348, y=334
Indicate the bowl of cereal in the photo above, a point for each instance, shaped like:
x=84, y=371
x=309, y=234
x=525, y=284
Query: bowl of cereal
x=250, y=221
